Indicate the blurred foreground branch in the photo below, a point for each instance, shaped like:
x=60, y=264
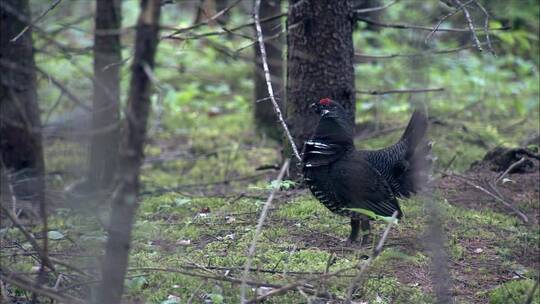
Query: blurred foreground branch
x=260, y=223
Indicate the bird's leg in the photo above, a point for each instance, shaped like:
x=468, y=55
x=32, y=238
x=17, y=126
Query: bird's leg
x=355, y=228
x=366, y=231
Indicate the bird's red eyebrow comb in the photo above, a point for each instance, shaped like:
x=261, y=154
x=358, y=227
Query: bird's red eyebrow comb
x=325, y=101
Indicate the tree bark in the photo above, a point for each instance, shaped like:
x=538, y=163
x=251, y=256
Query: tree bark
x=264, y=116
x=21, y=150
x=319, y=62
x=105, y=114
x=124, y=205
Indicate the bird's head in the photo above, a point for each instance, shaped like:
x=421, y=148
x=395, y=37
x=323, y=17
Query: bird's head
x=328, y=107
x=335, y=124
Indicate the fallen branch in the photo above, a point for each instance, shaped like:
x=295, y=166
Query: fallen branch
x=44, y=291
x=208, y=276
x=496, y=196
x=42, y=255
x=512, y=166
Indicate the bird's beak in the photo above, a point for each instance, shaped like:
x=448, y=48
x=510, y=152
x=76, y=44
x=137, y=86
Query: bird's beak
x=315, y=108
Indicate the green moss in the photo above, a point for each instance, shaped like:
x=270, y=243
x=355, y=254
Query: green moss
x=514, y=292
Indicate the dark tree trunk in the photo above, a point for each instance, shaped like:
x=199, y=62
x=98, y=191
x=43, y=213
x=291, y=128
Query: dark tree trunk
x=107, y=55
x=319, y=61
x=264, y=116
x=124, y=205
x=21, y=150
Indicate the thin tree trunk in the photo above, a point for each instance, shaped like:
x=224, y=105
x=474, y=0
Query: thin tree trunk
x=21, y=150
x=107, y=55
x=319, y=61
x=125, y=203
x=264, y=115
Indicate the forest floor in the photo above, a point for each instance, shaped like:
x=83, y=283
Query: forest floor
x=200, y=206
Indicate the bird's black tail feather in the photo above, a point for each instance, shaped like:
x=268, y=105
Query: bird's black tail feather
x=418, y=156
x=415, y=131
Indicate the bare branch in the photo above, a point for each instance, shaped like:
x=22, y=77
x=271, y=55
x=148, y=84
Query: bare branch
x=399, y=91
x=470, y=24
x=426, y=53
x=43, y=256
x=375, y=9
x=424, y=28
x=44, y=291
x=260, y=223
x=486, y=26
x=36, y=21
x=260, y=38
x=205, y=22
x=452, y=13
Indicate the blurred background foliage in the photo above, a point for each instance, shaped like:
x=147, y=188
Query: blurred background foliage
x=205, y=90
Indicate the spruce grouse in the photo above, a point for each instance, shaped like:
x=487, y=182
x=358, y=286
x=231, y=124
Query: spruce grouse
x=342, y=177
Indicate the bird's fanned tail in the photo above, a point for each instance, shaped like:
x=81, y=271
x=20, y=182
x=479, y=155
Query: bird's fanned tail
x=418, y=160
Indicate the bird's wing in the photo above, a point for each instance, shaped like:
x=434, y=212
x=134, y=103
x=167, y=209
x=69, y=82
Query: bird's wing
x=358, y=185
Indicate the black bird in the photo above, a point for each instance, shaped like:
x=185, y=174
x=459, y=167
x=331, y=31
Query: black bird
x=342, y=177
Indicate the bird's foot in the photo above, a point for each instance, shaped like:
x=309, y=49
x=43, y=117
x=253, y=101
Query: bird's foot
x=365, y=240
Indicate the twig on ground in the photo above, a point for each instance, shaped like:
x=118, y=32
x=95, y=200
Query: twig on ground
x=277, y=291
x=260, y=223
x=42, y=255
x=496, y=196
x=36, y=20
x=512, y=166
x=41, y=290
x=207, y=276
x=365, y=264
x=264, y=58
x=399, y=91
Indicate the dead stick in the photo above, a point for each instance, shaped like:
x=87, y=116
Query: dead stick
x=44, y=291
x=512, y=166
x=29, y=238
